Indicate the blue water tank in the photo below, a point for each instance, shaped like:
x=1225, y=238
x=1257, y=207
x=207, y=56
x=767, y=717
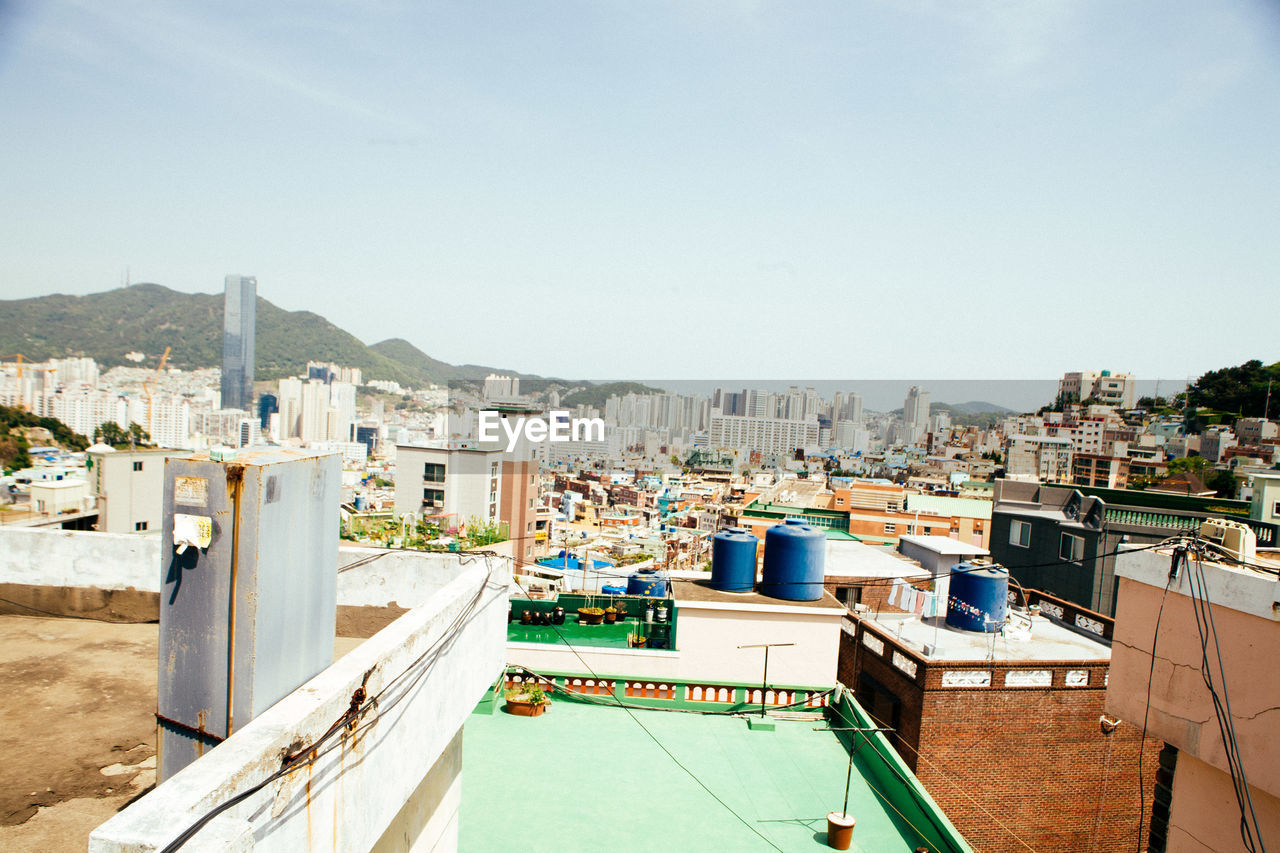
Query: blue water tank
x=647, y=582
x=614, y=590
x=978, y=599
x=733, y=560
x=795, y=556
x=361, y=503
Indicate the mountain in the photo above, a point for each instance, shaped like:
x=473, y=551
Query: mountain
x=974, y=413
x=597, y=395
x=980, y=407
x=432, y=369
x=149, y=317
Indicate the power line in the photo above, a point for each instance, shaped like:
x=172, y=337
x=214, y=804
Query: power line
x=1179, y=554
x=925, y=806
x=312, y=753
x=661, y=745
x=1250, y=832
x=618, y=703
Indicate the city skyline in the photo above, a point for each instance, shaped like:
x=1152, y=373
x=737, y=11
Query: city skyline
x=694, y=174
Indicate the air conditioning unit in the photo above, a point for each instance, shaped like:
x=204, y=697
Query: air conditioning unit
x=1236, y=538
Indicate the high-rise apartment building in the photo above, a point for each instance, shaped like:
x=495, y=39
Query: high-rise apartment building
x=915, y=413
x=239, y=312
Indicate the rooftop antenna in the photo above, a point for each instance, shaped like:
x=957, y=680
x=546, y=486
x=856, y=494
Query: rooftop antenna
x=764, y=678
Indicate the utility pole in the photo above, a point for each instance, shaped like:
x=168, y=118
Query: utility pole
x=764, y=678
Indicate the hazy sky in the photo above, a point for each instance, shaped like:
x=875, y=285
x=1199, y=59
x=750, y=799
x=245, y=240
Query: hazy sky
x=947, y=189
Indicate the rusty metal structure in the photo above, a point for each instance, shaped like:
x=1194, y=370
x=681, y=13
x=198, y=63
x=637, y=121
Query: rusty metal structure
x=248, y=590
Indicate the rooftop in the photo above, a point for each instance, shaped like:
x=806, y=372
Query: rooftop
x=581, y=776
x=685, y=592
x=945, y=505
x=54, y=673
x=945, y=545
x=1048, y=640
x=856, y=560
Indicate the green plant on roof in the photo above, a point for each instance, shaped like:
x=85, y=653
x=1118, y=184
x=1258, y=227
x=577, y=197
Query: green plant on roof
x=531, y=693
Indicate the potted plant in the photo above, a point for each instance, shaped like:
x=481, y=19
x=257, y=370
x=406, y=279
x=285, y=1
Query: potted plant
x=648, y=611
x=590, y=615
x=526, y=700
x=662, y=611
x=610, y=615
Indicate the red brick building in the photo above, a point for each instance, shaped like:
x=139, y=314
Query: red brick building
x=1006, y=731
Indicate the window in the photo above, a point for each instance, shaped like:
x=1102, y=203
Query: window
x=1275, y=510
x=1072, y=547
x=137, y=466
x=433, y=473
x=433, y=497
x=1020, y=534
x=890, y=528
x=849, y=595
x=141, y=525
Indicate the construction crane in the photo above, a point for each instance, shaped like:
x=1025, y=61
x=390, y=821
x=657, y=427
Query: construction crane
x=148, y=386
x=22, y=400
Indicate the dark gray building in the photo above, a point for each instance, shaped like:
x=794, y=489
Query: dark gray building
x=1062, y=539
x=239, y=313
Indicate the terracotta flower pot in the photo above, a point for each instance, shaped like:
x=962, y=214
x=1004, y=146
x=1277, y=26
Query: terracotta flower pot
x=526, y=708
x=587, y=618
x=840, y=830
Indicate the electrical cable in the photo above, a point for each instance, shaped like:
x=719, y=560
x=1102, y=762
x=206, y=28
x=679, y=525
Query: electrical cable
x=926, y=807
x=1179, y=554
x=662, y=746
x=961, y=787
x=889, y=581
x=1250, y=832
x=596, y=699
x=312, y=753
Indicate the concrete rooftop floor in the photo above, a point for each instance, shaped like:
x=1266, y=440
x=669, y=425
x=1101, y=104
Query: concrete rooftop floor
x=582, y=777
x=77, y=726
x=1048, y=641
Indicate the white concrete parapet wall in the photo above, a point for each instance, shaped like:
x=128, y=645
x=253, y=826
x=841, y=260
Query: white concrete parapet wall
x=65, y=558
x=393, y=783
x=120, y=561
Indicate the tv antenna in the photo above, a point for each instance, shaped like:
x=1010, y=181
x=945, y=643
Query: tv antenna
x=764, y=678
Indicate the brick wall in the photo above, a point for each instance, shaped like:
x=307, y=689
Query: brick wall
x=1034, y=758
x=874, y=591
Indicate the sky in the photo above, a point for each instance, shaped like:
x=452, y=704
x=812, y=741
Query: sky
x=883, y=189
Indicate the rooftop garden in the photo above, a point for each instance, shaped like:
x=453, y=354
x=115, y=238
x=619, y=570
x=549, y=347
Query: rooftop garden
x=442, y=533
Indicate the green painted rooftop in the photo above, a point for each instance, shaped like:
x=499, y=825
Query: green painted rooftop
x=584, y=777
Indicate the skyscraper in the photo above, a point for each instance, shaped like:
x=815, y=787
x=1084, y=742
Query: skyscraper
x=915, y=413
x=239, y=312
